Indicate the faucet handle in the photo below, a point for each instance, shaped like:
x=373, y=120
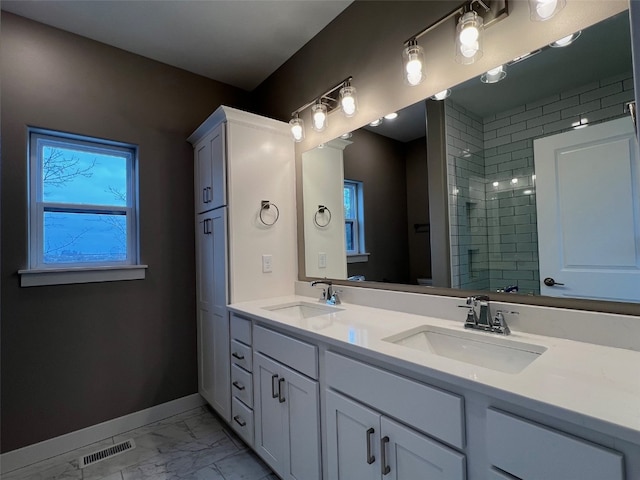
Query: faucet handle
x=499, y=322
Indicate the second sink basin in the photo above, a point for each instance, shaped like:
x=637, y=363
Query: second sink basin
x=496, y=353
x=303, y=309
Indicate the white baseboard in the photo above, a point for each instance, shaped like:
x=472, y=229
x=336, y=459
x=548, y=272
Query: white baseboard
x=65, y=443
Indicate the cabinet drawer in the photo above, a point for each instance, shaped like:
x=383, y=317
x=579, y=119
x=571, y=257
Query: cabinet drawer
x=558, y=456
x=242, y=385
x=241, y=355
x=294, y=353
x=433, y=411
x=240, y=329
x=242, y=420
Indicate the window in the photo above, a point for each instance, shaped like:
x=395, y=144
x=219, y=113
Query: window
x=354, y=218
x=82, y=204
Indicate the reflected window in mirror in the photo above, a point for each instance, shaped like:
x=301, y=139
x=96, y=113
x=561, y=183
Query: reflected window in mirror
x=354, y=217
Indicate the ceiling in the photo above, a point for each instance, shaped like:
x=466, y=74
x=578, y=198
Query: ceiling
x=238, y=42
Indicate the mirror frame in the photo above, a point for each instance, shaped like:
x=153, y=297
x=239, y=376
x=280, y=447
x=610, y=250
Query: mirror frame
x=441, y=194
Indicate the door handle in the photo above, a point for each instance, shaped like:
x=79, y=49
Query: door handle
x=370, y=457
x=550, y=282
x=384, y=468
x=274, y=394
x=281, y=398
x=238, y=385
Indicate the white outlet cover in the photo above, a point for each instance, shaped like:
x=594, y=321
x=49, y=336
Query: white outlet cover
x=267, y=263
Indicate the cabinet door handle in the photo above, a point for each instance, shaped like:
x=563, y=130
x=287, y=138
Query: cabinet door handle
x=209, y=195
x=237, y=355
x=370, y=458
x=281, y=398
x=238, y=385
x=384, y=468
x=204, y=195
x=239, y=421
x=274, y=394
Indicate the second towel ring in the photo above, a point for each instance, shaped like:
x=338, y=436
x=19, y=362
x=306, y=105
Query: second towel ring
x=322, y=210
x=266, y=205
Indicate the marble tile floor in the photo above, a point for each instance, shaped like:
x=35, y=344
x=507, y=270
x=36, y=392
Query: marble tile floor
x=194, y=445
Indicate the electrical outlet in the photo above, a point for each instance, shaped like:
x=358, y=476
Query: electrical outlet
x=322, y=260
x=267, y=264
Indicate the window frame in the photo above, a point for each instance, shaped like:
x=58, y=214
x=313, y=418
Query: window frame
x=127, y=269
x=357, y=224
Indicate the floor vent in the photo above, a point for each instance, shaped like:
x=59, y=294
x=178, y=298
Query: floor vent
x=108, y=452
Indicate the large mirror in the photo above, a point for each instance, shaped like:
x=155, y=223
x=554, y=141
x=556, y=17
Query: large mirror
x=542, y=173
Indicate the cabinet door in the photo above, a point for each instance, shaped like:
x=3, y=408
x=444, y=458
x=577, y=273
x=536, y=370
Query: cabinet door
x=210, y=174
x=213, y=318
x=302, y=426
x=269, y=414
x=408, y=455
x=353, y=439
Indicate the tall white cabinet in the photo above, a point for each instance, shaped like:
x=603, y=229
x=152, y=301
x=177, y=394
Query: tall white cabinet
x=240, y=160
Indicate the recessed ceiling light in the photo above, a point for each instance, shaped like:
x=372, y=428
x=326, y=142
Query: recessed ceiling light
x=391, y=116
x=377, y=122
x=346, y=136
x=441, y=95
x=566, y=41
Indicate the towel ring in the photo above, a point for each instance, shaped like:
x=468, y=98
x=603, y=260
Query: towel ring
x=322, y=210
x=266, y=205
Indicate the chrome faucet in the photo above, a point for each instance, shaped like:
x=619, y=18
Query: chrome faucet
x=329, y=296
x=483, y=321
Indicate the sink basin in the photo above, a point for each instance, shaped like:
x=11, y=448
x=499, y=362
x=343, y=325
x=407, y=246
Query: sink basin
x=303, y=309
x=496, y=353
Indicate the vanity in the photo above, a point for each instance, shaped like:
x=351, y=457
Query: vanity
x=354, y=392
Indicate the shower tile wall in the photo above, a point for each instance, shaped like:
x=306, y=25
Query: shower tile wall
x=503, y=165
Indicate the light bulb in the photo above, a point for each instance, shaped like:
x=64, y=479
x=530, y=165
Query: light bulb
x=391, y=116
x=494, y=75
x=542, y=10
x=297, y=128
x=375, y=123
x=469, y=38
x=413, y=64
x=441, y=95
x=319, y=116
x=348, y=100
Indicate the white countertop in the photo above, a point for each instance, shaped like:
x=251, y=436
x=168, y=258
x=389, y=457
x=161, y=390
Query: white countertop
x=590, y=385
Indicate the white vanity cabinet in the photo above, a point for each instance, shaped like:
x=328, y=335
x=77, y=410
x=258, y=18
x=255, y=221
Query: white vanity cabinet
x=286, y=405
x=210, y=172
x=530, y=451
x=367, y=441
x=241, y=378
x=212, y=315
x=363, y=444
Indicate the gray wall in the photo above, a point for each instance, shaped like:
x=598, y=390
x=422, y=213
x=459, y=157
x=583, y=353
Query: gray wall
x=77, y=355
x=379, y=163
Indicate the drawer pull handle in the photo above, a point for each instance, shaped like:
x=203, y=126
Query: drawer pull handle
x=370, y=458
x=384, y=468
x=238, y=385
x=274, y=394
x=237, y=355
x=281, y=398
x=239, y=421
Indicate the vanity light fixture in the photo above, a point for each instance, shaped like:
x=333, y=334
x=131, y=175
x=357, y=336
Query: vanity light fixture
x=441, y=95
x=494, y=75
x=566, y=41
x=472, y=17
x=341, y=96
x=391, y=116
x=543, y=10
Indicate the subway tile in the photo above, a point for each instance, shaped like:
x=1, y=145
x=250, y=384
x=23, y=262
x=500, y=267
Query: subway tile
x=616, y=78
x=515, y=220
x=514, y=127
x=518, y=257
x=579, y=90
x=608, y=113
x=620, y=98
x=511, y=112
x=558, y=126
x=499, y=141
x=581, y=110
x=528, y=266
x=525, y=209
x=514, y=164
x=490, y=134
x=544, y=101
x=526, y=115
x=529, y=133
x=523, y=153
x=561, y=105
x=628, y=84
x=517, y=274
x=513, y=146
x=601, y=92
x=497, y=159
x=541, y=120
x=496, y=124
x=524, y=228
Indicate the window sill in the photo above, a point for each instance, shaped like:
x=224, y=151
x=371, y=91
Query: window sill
x=358, y=258
x=65, y=276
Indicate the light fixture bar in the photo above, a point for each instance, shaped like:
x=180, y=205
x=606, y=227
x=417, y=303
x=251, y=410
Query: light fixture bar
x=325, y=96
x=494, y=10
